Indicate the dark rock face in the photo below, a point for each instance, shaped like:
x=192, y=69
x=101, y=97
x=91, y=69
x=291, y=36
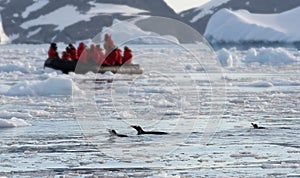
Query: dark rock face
x=13, y=17
x=253, y=6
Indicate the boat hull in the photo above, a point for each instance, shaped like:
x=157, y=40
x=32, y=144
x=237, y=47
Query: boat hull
x=76, y=66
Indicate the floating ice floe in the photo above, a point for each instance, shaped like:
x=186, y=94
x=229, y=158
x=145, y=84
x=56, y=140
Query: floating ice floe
x=260, y=84
x=164, y=103
x=13, y=122
x=51, y=86
x=7, y=114
x=270, y=55
x=225, y=57
x=188, y=67
x=165, y=175
x=280, y=165
x=13, y=68
x=265, y=56
x=172, y=112
x=150, y=90
x=285, y=83
x=125, y=114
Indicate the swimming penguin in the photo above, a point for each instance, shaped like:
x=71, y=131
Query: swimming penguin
x=255, y=126
x=113, y=132
x=141, y=131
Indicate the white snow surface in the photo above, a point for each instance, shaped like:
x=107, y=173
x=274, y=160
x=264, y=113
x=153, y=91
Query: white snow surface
x=64, y=16
x=3, y=37
x=241, y=26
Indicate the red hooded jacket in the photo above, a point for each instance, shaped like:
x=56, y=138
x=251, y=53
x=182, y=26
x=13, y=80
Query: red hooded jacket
x=114, y=58
x=73, y=54
x=80, y=49
x=118, y=56
x=89, y=55
x=52, y=53
x=66, y=56
x=127, y=56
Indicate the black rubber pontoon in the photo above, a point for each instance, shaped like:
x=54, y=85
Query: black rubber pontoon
x=70, y=66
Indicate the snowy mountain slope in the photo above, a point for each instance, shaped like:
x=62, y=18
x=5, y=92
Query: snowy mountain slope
x=64, y=21
x=200, y=16
x=206, y=9
x=242, y=26
x=41, y=21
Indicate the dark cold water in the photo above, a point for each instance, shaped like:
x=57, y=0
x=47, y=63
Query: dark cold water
x=207, y=112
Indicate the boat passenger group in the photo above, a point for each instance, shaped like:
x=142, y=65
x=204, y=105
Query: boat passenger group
x=95, y=54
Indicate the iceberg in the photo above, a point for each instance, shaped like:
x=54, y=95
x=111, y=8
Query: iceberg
x=3, y=37
x=243, y=26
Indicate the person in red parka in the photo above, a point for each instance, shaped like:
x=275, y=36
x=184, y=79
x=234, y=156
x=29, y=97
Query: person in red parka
x=89, y=55
x=100, y=53
x=118, y=56
x=109, y=58
x=68, y=51
x=113, y=58
x=80, y=49
x=65, y=56
x=73, y=52
x=52, y=52
x=127, y=56
x=109, y=44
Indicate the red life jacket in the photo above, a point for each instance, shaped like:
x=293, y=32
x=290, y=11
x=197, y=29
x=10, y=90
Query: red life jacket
x=113, y=58
x=127, y=56
x=92, y=55
x=66, y=56
x=118, y=56
x=80, y=49
x=73, y=54
x=52, y=53
x=109, y=59
x=89, y=55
